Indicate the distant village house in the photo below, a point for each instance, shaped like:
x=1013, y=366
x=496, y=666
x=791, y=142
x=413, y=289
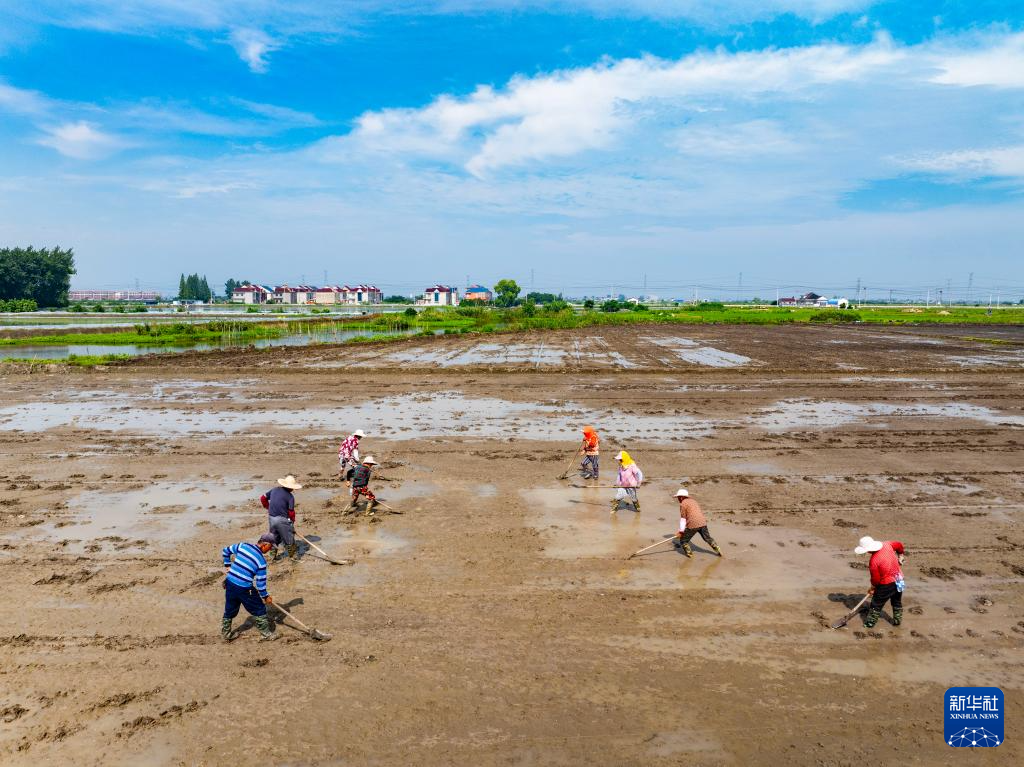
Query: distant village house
x=814, y=300
x=479, y=293
x=440, y=295
x=251, y=294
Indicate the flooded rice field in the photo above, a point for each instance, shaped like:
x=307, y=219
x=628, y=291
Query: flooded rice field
x=491, y=607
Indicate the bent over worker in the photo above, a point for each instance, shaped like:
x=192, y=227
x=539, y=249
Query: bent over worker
x=245, y=585
x=590, y=467
x=628, y=481
x=359, y=476
x=886, y=578
x=691, y=522
x=280, y=505
x=348, y=453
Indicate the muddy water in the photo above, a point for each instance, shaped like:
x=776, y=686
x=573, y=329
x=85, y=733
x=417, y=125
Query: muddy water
x=577, y=523
x=690, y=351
x=402, y=417
x=162, y=513
x=805, y=413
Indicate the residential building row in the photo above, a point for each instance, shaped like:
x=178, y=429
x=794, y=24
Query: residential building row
x=436, y=295
x=307, y=294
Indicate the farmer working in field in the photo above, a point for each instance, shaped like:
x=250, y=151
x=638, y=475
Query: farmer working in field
x=628, y=481
x=691, y=522
x=348, y=453
x=886, y=578
x=280, y=506
x=590, y=448
x=359, y=476
x=246, y=585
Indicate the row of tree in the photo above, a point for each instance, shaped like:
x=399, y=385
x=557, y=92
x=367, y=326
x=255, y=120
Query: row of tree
x=42, y=275
x=194, y=288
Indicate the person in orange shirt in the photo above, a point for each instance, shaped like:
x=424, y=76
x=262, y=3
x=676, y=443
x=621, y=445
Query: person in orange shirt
x=589, y=468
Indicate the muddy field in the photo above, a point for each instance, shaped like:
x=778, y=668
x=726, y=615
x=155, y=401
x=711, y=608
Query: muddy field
x=496, y=620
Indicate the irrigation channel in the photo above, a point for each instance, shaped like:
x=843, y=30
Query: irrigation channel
x=227, y=340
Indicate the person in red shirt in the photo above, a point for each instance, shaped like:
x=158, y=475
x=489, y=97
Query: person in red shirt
x=886, y=578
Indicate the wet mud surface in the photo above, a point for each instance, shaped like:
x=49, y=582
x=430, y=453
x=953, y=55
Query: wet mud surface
x=497, y=619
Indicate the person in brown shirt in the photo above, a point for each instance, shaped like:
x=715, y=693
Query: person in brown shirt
x=691, y=522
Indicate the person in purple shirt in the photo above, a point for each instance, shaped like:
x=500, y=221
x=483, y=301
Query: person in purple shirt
x=280, y=505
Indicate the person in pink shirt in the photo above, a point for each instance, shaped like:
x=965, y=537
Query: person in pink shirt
x=628, y=481
x=886, y=577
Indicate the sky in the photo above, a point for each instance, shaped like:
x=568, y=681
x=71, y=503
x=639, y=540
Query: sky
x=583, y=146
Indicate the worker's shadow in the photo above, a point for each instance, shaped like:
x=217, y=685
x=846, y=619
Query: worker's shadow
x=849, y=601
x=276, y=616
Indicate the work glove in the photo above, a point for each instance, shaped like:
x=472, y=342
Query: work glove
x=224, y=584
x=264, y=502
x=269, y=600
x=291, y=516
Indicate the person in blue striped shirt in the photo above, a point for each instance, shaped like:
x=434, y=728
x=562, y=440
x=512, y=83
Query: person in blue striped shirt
x=246, y=586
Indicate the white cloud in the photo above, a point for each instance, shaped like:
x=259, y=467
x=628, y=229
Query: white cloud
x=80, y=140
x=1001, y=65
x=566, y=113
x=21, y=101
x=1005, y=161
x=253, y=46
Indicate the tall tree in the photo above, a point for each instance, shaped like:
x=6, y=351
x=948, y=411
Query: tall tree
x=182, y=288
x=43, y=275
x=506, y=292
x=207, y=295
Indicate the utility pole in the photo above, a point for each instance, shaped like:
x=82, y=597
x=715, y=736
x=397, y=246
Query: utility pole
x=739, y=296
x=531, y=280
x=970, y=284
x=890, y=296
x=928, y=298
x=858, y=290
x=949, y=292
x=645, y=285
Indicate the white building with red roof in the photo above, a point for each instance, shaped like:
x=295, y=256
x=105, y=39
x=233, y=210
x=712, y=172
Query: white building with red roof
x=440, y=295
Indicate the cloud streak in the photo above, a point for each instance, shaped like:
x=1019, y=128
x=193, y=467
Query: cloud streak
x=565, y=114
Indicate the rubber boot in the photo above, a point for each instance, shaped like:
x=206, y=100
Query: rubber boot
x=718, y=551
x=263, y=624
x=615, y=506
x=226, y=632
x=636, y=506
x=687, y=550
x=897, y=617
x=293, y=551
x=370, y=506
x=872, y=619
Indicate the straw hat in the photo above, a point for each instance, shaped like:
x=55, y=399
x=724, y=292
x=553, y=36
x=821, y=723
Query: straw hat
x=867, y=543
x=359, y=433
x=289, y=482
x=681, y=493
x=371, y=461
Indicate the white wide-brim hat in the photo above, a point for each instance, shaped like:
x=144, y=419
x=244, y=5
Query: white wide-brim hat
x=359, y=433
x=682, y=493
x=371, y=460
x=289, y=482
x=867, y=543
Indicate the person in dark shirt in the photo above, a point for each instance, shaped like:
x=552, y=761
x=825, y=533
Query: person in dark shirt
x=359, y=478
x=280, y=505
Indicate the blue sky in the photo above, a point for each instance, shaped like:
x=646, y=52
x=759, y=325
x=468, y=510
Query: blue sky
x=596, y=142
